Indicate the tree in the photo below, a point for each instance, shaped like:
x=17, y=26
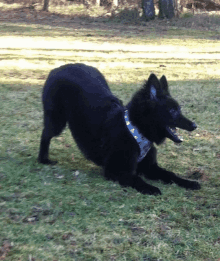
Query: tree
x=115, y=3
x=166, y=9
x=46, y=5
x=97, y=2
x=148, y=9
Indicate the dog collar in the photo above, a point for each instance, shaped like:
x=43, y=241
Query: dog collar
x=143, y=143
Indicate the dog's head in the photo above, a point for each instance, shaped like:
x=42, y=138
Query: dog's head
x=156, y=113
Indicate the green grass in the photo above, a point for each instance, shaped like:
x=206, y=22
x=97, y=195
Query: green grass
x=69, y=211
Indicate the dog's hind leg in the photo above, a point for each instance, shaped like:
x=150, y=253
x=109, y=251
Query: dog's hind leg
x=54, y=123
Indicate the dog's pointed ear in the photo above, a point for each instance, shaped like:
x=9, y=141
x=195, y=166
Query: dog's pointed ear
x=164, y=84
x=153, y=86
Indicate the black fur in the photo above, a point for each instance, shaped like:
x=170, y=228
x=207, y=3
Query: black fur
x=79, y=95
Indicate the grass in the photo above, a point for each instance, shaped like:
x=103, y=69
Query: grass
x=69, y=211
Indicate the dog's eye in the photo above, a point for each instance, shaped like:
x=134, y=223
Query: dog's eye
x=175, y=112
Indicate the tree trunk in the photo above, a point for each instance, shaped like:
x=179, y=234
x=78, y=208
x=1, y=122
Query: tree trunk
x=46, y=5
x=97, y=2
x=166, y=9
x=177, y=8
x=115, y=3
x=148, y=9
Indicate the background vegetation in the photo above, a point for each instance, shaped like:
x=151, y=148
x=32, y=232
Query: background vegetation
x=112, y=8
x=69, y=211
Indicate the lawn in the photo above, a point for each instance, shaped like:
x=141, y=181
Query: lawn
x=69, y=211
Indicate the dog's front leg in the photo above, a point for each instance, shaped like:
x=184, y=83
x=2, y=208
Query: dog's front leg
x=150, y=169
x=172, y=177
x=122, y=168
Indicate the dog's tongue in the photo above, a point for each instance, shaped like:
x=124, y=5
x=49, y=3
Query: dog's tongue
x=171, y=134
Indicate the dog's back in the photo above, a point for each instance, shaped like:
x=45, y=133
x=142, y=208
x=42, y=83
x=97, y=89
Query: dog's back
x=76, y=80
x=79, y=95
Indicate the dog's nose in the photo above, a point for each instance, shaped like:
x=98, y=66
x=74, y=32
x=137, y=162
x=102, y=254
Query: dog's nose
x=194, y=126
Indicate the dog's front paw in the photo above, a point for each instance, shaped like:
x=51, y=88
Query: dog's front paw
x=194, y=185
x=151, y=191
x=144, y=188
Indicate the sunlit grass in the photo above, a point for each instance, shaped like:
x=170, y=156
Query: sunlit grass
x=179, y=59
x=4, y=6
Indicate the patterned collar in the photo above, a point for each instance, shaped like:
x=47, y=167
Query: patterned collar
x=143, y=143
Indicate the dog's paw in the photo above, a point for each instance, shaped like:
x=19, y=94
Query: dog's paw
x=144, y=188
x=194, y=185
x=47, y=161
x=151, y=190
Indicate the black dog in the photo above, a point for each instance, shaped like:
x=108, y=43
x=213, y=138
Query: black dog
x=118, y=138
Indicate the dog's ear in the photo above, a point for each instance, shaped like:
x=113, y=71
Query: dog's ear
x=153, y=87
x=164, y=84
x=153, y=93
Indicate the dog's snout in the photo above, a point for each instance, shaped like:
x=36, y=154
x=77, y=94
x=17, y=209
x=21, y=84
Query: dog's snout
x=194, y=126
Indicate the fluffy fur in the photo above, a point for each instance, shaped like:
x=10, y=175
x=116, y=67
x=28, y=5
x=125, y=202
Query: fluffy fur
x=79, y=95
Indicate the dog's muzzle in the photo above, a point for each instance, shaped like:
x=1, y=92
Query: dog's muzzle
x=172, y=134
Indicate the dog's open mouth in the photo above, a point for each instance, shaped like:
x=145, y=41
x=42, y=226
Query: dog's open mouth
x=173, y=135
